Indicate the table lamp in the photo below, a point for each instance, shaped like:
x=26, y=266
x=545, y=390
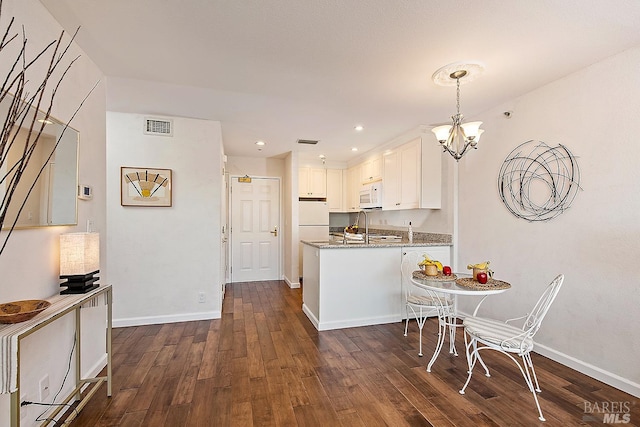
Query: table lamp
x=79, y=261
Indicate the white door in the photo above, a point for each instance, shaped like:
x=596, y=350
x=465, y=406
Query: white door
x=255, y=229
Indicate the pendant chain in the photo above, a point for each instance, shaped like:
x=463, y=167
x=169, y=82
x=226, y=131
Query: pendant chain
x=458, y=96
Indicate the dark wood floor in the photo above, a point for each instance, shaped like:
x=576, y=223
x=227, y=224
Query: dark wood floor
x=264, y=364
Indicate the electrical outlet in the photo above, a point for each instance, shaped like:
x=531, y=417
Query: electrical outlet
x=201, y=297
x=44, y=388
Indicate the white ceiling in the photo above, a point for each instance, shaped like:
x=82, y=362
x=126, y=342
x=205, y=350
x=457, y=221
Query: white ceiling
x=280, y=70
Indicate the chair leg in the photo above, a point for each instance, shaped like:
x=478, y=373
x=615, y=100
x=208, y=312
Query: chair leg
x=452, y=334
x=441, y=336
x=486, y=370
x=533, y=371
x=421, y=320
x=406, y=324
x=526, y=358
x=472, y=356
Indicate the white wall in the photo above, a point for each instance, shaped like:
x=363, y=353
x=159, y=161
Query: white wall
x=161, y=258
x=255, y=166
x=291, y=221
x=595, y=243
x=29, y=266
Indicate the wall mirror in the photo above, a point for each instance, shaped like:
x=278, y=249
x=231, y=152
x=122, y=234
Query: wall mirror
x=53, y=200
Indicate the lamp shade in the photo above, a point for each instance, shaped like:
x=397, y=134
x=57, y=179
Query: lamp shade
x=442, y=132
x=471, y=129
x=79, y=253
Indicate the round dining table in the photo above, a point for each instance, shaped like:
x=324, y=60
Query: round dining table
x=445, y=286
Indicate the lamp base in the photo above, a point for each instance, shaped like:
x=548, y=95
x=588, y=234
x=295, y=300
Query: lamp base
x=80, y=284
x=74, y=290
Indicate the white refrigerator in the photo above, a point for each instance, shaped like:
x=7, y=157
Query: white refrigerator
x=313, y=224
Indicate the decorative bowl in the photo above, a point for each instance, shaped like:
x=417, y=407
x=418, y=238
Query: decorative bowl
x=20, y=311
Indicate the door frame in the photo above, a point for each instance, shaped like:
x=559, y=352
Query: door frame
x=280, y=267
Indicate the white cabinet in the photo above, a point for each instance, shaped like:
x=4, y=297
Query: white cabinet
x=336, y=190
x=371, y=170
x=338, y=295
x=312, y=182
x=412, y=177
x=353, y=188
x=401, y=177
x=431, y=174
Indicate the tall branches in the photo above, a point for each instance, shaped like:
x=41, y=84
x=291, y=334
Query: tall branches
x=20, y=103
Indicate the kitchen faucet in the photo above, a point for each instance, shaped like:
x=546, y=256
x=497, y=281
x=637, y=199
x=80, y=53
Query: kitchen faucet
x=366, y=226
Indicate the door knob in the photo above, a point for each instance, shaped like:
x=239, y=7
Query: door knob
x=275, y=231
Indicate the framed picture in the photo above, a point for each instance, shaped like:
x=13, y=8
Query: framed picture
x=145, y=187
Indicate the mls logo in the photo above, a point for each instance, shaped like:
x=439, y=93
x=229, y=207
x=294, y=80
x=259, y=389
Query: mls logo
x=612, y=412
x=616, y=418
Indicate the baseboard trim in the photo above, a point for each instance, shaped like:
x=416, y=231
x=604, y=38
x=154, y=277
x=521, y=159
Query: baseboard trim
x=173, y=318
x=292, y=285
x=606, y=377
x=312, y=318
x=354, y=323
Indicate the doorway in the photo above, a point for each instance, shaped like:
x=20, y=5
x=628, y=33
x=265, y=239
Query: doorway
x=255, y=229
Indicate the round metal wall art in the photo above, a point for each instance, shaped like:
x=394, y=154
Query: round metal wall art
x=538, y=182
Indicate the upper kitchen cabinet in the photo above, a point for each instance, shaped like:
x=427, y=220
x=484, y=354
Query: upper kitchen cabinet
x=371, y=170
x=353, y=188
x=312, y=182
x=430, y=174
x=336, y=190
x=412, y=176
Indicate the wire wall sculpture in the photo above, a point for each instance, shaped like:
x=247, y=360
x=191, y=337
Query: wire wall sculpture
x=538, y=182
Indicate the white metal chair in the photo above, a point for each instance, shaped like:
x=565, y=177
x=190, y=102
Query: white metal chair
x=482, y=333
x=421, y=302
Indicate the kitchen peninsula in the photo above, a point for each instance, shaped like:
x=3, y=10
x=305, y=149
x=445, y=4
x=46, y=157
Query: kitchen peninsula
x=359, y=284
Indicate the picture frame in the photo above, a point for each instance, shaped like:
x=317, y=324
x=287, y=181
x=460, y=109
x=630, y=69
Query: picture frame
x=141, y=186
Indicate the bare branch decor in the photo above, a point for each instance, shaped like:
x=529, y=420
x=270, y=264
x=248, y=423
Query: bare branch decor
x=17, y=82
x=538, y=182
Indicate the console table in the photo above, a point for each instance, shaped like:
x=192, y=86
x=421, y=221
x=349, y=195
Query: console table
x=12, y=334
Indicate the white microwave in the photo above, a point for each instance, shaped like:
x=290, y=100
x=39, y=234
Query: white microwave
x=371, y=195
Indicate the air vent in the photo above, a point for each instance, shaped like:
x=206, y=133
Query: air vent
x=162, y=127
x=307, y=141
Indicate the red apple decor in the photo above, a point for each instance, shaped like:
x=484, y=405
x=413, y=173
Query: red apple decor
x=446, y=270
x=482, y=277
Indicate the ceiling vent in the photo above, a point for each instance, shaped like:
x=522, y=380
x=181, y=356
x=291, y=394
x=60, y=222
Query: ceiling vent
x=161, y=127
x=307, y=141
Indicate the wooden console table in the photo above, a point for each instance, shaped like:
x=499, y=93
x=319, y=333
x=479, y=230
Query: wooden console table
x=12, y=334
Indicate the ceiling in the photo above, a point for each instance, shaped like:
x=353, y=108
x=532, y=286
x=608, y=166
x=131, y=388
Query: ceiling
x=282, y=70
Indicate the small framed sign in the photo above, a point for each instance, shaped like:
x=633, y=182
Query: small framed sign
x=145, y=187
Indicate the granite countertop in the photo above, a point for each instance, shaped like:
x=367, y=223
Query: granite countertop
x=420, y=239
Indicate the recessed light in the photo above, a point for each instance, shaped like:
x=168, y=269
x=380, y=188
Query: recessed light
x=260, y=143
x=322, y=156
x=354, y=149
x=359, y=128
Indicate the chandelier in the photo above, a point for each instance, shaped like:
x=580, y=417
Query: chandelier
x=458, y=137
